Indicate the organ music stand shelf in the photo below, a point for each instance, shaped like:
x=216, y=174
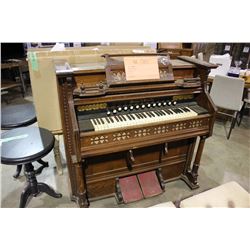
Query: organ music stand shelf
x=116, y=73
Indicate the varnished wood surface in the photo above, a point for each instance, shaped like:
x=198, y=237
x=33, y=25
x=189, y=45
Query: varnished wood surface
x=5, y=85
x=96, y=159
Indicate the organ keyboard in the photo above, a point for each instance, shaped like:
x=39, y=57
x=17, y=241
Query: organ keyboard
x=115, y=128
x=129, y=115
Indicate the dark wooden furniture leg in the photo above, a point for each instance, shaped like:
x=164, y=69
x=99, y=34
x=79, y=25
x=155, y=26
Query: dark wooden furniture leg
x=37, y=171
x=44, y=188
x=18, y=171
x=25, y=196
x=40, y=169
x=33, y=188
x=44, y=163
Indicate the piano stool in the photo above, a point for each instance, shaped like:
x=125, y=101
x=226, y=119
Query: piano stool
x=24, y=146
x=22, y=115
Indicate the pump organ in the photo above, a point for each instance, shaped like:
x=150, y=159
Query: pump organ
x=115, y=128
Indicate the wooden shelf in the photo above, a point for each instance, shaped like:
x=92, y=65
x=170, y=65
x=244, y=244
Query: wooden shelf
x=7, y=84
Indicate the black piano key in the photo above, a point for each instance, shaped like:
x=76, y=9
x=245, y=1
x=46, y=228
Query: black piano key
x=133, y=117
x=137, y=116
x=185, y=109
x=152, y=113
x=157, y=113
x=129, y=117
x=162, y=113
x=111, y=119
x=167, y=111
x=142, y=115
x=120, y=118
x=126, y=118
x=176, y=111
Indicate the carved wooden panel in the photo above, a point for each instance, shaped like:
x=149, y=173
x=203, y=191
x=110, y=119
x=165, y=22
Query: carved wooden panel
x=111, y=137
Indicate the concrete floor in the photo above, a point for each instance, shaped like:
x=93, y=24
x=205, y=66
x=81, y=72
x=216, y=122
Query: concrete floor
x=222, y=161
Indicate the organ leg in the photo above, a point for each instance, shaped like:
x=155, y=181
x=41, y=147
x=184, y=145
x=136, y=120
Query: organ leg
x=191, y=176
x=57, y=156
x=82, y=197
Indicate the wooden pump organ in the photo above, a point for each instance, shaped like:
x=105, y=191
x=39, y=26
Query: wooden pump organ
x=114, y=127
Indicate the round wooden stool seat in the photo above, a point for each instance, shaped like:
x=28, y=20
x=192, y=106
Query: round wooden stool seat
x=24, y=146
x=15, y=116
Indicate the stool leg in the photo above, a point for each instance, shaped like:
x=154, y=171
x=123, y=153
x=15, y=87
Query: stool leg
x=31, y=189
x=18, y=171
x=31, y=178
x=40, y=169
x=42, y=187
x=25, y=196
x=44, y=163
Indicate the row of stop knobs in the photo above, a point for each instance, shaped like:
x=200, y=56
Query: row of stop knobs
x=149, y=105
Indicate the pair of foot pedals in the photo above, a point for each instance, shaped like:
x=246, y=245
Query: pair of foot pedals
x=137, y=187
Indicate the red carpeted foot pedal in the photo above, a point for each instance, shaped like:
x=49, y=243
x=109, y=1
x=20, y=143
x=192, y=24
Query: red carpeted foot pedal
x=130, y=189
x=149, y=184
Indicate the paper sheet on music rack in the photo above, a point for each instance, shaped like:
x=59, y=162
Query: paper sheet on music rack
x=141, y=68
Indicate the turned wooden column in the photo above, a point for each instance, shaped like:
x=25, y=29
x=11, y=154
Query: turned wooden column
x=57, y=156
x=196, y=165
x=191, y=176
x=82, y=198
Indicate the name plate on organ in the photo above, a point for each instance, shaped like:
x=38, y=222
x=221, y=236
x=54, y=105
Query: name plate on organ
x=141, y=68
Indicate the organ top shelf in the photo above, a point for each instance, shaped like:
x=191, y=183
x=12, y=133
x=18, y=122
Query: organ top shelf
x=95, y=79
